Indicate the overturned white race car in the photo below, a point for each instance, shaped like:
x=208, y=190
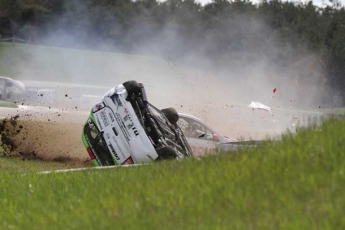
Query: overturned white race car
x=124, y=128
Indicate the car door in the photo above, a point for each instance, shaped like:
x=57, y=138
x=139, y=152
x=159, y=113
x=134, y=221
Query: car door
x=200, y=138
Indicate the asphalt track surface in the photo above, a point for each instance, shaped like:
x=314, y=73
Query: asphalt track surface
x=54, y=132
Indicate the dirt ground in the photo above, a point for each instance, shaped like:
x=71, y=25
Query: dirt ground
x=55, y=134
x=44, y=134
x=51, y=139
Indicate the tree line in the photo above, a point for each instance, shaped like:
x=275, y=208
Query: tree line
x=221, y=29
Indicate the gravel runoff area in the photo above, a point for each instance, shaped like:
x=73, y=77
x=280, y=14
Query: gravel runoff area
x=34, y=132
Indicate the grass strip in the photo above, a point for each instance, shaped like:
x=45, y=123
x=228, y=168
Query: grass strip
x=297, y=183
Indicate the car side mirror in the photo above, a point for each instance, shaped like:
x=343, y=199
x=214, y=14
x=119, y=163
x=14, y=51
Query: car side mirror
x=215, y=137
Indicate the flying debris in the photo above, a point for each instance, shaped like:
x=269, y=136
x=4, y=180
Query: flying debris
x=259, y=105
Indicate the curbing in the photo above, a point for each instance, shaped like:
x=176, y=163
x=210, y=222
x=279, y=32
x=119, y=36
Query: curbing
x=90, y=168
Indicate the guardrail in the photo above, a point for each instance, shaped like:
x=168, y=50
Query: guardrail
x=14, y=40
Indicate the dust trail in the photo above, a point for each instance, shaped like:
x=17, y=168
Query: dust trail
x=215, y=86
x=42, y=134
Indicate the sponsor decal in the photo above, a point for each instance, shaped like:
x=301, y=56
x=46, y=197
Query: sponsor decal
x=119, y=148
x=122, y=126
x=111, y=117
x=99, y=122
x=135, y=131
x=113, y=152
x=131, y=125
x=104, y=118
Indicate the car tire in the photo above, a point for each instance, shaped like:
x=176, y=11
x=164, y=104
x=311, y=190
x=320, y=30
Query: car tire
x=171, y=114
x=166, y=153
x=132, y=87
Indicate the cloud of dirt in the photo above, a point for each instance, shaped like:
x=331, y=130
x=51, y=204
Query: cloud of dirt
x=213, y=85
x=42, y=138
x=218, y=86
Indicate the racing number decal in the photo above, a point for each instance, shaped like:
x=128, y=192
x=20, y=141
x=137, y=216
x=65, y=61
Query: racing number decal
x=104, y=118
x=114, y=152
x=122, y=126
x=131, y=125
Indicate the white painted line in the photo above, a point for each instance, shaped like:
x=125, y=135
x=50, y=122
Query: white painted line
x=90, y=168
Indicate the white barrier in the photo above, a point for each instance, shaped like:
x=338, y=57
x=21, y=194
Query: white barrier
x=89, y=168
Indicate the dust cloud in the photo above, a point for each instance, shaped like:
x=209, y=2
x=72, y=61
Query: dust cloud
x=214, y=87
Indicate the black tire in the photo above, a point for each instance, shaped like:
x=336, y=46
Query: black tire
x=171, y=114
x=166, y=153
x=132, y=87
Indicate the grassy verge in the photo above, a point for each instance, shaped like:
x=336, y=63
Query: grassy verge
x=297, y=183
x=8, y=104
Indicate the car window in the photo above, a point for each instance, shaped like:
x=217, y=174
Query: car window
x=97, y=143
x=194, y=129
x=93, y=131
x=183, y=124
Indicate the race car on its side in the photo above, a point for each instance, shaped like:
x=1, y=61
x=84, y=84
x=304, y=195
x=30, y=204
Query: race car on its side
x=124, y=128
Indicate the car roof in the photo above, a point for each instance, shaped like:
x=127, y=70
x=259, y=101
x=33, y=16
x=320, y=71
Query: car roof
x=189, y=116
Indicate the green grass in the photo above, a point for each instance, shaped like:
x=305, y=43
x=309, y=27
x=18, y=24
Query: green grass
x=11, y=164
x=298, y=183
x=8, y=104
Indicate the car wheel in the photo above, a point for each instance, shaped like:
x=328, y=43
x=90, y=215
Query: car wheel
x=171, y=114
x=166, y=153
x=132, y=87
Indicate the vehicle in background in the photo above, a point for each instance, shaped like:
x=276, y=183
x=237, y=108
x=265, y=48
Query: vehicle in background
x=124, y=128
x=11, y=90
x=202, y=138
